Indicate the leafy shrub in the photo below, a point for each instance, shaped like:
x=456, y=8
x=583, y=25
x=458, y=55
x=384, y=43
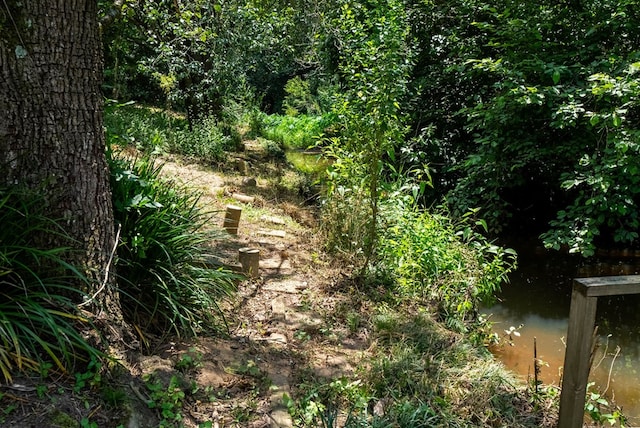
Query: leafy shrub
x=206, y=141
x=431, y=258
x=38, y=317
x=166, y=281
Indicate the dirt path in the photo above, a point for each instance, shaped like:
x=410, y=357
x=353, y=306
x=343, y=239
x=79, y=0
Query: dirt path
x=285, y=325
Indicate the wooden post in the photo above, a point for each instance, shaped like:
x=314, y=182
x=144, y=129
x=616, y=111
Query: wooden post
x=582, y=315
x=250, y=261
x=232, y=219
x=582, y=318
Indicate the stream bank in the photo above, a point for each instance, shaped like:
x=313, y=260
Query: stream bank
x=536, y=304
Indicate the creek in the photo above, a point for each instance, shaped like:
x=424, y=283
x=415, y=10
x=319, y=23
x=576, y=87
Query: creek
x=536, y=303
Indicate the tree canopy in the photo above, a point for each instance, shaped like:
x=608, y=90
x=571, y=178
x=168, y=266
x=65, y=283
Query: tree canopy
x=525, y=110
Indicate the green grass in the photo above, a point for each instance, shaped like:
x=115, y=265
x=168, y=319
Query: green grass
x=145, y=128
x=428, y=371
x=312, y=164
x=421, y=375
x=294, y=132
x=156, y=131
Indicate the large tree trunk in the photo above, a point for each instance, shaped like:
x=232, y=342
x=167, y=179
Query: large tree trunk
x=51, y=127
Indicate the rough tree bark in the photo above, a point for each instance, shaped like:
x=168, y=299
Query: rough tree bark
x=51, y=129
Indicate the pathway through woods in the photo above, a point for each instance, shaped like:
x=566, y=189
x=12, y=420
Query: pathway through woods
x=286, y=325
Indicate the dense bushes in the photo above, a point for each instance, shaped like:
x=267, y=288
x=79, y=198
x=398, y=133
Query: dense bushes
x=527, y=110
x=454, y=270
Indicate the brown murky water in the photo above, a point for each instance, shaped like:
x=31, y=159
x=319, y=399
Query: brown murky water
x=538, y=299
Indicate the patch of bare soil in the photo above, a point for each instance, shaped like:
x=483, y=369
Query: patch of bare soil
x=284, y=327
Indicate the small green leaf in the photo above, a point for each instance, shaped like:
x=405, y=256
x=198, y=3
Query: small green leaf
x=617, y=121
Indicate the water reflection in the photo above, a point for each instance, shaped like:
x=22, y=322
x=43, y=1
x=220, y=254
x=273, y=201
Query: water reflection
x=517, y=351
x=538, y=298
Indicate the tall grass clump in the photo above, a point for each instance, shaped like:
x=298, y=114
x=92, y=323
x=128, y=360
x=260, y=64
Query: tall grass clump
x=421, y=375
x=427, y=376
x=449, y=266
x=349, y=221
x=165, y=275
x=39, y=322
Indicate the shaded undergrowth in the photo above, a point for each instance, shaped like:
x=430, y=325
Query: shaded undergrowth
x=167, y=279
x=40, y=325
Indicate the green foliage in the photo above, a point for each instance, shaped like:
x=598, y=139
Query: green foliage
x=605, y=180
x=272, y=149
x=345, y=213
x=205, y=141
x=601, y=411
x=420, y=375
x=167, y=400
x=525, y=113
x=154, y=131
x=446, y=264
x=146, y=129
x=39, y=322
x=91, y=378
x=374, y=65
x=294, y=132
x=248, y=368
x=165, y=278
x=196, y=55
x=423, y=376
x=324, y=403
x=526, y=110
x=190, y=360
x=299, y=98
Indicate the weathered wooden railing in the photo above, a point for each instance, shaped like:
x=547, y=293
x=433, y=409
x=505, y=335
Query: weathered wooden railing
x=582, y=316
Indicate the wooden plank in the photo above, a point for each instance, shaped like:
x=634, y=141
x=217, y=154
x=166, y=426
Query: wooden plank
x=576, y=361
x=584, y=299
x=609, y=285
x=243, y=198
x=232, y=219
x=272, y=219
x=278, y=233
